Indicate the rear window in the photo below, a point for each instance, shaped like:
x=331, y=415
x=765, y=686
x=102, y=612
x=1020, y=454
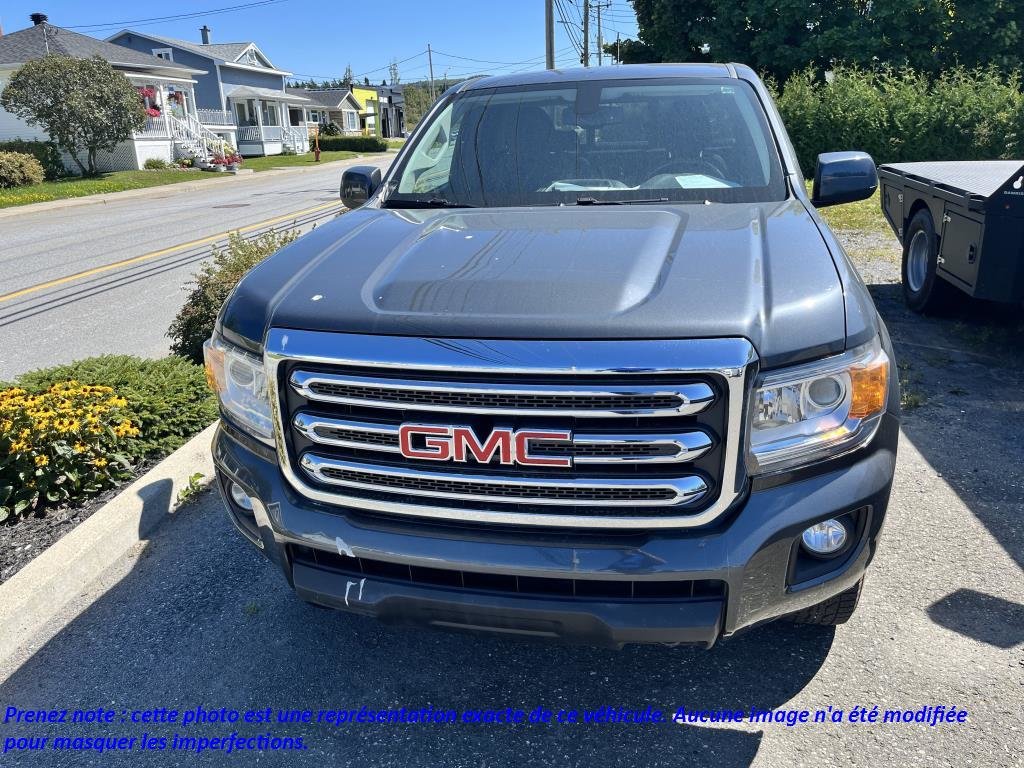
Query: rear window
x=631, y=141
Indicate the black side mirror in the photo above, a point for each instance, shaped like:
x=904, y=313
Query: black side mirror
x=358, y=185
x=843, y=177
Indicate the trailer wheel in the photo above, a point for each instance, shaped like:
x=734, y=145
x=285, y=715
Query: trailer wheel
x=923, y=290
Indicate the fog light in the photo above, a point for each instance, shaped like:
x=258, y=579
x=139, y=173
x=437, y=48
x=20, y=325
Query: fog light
x=241, y=498
x=825, y=538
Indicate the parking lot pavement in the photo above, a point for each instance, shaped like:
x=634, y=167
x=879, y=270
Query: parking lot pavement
x=197, y=618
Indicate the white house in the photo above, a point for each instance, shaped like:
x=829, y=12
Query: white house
x=166, y=87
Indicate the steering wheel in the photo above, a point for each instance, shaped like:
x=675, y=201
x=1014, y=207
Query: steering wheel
x=689, y=165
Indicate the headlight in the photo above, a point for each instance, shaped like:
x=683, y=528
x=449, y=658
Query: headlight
x=241, y=384
x=812, y=412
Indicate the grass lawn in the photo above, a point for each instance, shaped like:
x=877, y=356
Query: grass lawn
x=291, y=161
x=864, y=215
x=107, y=182
x=395, y=143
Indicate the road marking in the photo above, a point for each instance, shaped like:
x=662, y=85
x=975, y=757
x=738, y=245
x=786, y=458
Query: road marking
x=162, y=252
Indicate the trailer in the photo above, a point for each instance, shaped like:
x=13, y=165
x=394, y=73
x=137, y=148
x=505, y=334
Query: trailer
x=962, y=229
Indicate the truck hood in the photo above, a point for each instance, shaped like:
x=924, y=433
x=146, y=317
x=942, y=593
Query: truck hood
x=761, y=271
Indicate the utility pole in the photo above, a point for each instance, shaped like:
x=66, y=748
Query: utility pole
x=430, y=63
x=549, y=34
x=600, y=37
x=618, y=53
x=586, y=33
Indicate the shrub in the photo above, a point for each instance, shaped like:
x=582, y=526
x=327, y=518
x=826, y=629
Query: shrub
x=330, y=129
x=353, y=144
x=46, y=152
x=167, y=399
x=155, y=164
x=60, y=444
x=210, y=288
x=19, y=170
x=899, y=115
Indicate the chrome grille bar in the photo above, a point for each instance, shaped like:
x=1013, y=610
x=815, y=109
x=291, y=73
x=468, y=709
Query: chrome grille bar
x=572, y=399
x=630, y=448
x=491, y=488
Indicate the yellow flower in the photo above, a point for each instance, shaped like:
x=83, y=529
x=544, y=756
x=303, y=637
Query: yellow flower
x=80, y=448
x=100, y=462
x=42, y=460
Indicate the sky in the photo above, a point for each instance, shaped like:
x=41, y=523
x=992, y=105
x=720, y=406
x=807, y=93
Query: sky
x=318, y=39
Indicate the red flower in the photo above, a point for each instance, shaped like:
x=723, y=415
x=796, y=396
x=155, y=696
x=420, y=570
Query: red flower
x=152, y=111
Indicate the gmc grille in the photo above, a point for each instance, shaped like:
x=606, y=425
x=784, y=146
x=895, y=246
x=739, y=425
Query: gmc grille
x=653, y=439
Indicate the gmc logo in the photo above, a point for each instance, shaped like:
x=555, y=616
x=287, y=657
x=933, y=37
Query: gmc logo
x=436, y=443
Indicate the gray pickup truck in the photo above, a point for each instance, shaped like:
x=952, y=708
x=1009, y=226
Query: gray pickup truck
x=585, y=363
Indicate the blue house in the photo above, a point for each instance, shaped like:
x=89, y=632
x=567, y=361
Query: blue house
x=242, y=95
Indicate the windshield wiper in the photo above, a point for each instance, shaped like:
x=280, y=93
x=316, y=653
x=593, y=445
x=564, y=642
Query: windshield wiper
x=433, y=202
x=596, y=201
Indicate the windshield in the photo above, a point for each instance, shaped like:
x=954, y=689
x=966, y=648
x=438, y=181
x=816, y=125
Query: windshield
x=594, y=142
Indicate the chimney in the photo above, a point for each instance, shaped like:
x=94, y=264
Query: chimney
x=38, y=18
x=205, y=32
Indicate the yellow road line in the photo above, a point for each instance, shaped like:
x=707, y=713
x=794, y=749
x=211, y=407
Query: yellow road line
x=161, y=252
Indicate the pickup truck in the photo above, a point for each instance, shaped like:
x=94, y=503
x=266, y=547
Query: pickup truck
x=584, y=364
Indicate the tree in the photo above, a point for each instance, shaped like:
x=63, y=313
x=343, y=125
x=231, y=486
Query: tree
x=347, y=79
x=83, y=104
x=780, y=37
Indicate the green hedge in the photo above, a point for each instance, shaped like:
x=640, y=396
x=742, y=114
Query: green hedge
x=211, y=285
x=167, y=399
x=898, y=115
x=352, y=144
x=45, y=152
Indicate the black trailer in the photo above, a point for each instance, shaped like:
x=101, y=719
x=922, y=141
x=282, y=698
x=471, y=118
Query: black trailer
x=961, y=225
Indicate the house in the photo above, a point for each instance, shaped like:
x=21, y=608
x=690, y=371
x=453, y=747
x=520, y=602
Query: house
x=331, y=105
x=383, y=102
x=240, y=94
x=166, y=87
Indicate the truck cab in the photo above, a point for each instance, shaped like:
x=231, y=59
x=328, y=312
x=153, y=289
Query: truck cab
x=584, y=363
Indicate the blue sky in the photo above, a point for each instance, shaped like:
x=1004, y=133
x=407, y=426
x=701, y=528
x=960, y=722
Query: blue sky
x=319, y=38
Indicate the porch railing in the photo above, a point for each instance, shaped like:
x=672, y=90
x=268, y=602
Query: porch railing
x=248, y=133
x=251, y=133
x=215, y=117
x=155, y=127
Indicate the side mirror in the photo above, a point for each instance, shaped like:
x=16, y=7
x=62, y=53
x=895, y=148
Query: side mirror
x=843, y=177
x=358, y=185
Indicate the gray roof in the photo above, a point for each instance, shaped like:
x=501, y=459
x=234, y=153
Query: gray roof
x=327, y=97
x=226, y=53
x=30, y=43
x=254, y=92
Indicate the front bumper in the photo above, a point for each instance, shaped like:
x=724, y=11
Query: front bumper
x=326, y=552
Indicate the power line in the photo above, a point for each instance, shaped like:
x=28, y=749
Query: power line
x=176, y=16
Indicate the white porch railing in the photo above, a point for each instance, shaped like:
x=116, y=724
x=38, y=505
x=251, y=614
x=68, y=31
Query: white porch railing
x=248, y=134
x=215, y=117
x=254, y=134
x=156, y=127
x=296, y=138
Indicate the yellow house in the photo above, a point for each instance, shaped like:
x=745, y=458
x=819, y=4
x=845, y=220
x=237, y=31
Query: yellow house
x=370, y=106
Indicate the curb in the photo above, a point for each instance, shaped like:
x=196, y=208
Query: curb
x=38, y=593
x=165, y=190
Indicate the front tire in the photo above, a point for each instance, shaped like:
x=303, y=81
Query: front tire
x=923, y=290
x=836, y=610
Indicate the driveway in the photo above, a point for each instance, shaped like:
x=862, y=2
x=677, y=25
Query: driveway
x=197, y=618
x=108, y=277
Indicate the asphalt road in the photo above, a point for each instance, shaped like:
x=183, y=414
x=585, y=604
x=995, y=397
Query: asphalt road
x=198, y=618
x=128, y=308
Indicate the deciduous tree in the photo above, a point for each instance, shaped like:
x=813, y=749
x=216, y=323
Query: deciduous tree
x=85, y=105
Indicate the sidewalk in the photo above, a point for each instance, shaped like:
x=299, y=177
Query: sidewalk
x=172, y=189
